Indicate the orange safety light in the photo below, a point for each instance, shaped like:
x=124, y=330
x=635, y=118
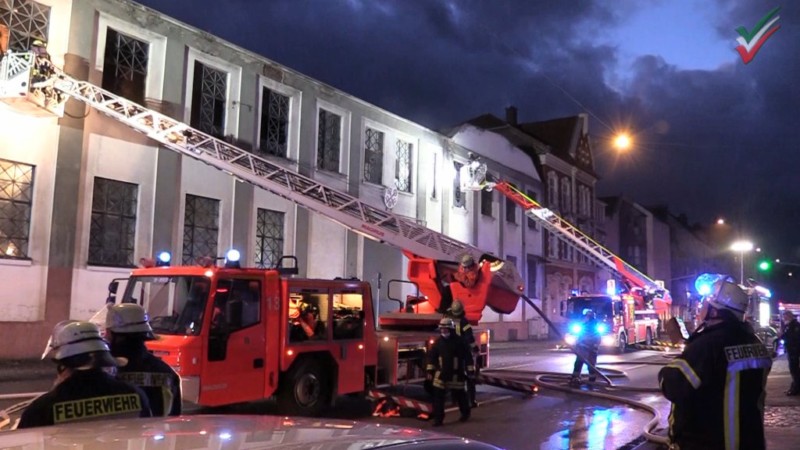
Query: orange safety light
x=484, y=338
x=290, y=352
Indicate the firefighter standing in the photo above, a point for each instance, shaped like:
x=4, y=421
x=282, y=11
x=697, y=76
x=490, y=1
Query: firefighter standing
x=127, y=329
x=586, y=349
x=464, y=330
x=83, y=390
x=791, y=342
x=449, y=365
x=717, y=385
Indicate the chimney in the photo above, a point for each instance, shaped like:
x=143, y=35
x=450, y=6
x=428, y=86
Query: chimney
x=511, y=115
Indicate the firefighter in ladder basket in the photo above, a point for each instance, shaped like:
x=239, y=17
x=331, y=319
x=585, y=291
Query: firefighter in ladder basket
x=449, y=365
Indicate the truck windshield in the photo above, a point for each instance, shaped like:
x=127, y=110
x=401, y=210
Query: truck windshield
x=175, y=304
x=600, y=305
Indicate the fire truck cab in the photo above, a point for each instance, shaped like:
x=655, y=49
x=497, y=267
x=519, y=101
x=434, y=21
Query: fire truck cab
x=243, y=334
x=624, y=323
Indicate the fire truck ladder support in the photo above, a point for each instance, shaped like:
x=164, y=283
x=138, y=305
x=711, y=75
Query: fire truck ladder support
x=347, y=210
x=405, y=402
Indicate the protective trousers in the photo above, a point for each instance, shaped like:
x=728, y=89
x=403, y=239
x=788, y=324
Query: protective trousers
x=794, y=369
x=439, y=396
x=585, y=355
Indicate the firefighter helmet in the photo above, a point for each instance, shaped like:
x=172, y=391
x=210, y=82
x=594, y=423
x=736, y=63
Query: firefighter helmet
x=38, y=43
x=447, y=323
x=128, y=318
x=309, y=308
x=72, y=338
x=727, y=295
x=457, y=308
x=467, y=261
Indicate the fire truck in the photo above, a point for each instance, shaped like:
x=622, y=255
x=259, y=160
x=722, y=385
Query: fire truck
x=632, y=314
x=237, y=334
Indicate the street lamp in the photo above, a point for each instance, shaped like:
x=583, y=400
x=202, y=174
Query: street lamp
x=741, y=247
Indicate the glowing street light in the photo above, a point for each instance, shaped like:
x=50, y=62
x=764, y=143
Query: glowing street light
x=622, y=141
x=742, y=247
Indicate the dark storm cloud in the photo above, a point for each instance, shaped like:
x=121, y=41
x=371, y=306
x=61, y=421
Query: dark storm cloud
x=711, y=142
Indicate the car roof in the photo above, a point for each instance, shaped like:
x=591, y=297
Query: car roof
x=232, y=431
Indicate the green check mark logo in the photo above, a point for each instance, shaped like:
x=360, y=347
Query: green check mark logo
x=750, y=42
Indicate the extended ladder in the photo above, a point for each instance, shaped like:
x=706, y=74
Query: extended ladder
x=473, y=177
x=347, y=210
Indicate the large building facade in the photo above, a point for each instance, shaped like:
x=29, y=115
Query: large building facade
x=84, y=197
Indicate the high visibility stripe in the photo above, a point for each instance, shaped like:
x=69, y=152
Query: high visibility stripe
x=731, y=410
x=687, y=371
x=747, y=364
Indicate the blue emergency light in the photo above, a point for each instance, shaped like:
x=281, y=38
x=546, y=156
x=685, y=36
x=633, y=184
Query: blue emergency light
x=576, y=329
x=163, y=259
x=601, y=328
x=232, y=258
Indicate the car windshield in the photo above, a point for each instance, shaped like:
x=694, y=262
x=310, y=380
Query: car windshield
x=175, y=304
x=600, y=305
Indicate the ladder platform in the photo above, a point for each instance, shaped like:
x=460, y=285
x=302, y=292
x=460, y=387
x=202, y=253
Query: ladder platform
x=409, y=320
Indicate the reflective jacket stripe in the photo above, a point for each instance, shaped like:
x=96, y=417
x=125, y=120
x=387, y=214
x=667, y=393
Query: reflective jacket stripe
x=731, y=410
x=687, y=371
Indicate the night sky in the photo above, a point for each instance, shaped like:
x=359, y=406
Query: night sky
x=714, y=137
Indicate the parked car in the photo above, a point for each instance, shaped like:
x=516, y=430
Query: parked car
x=233, y=432
x=769, y=336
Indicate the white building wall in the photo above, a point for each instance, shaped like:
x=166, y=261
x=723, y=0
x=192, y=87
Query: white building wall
x=114, y=159
x=34, y=141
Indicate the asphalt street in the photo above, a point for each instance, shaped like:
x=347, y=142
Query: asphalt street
x=550, y=419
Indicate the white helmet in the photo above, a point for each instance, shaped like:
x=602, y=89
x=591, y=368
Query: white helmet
x=73, y=337
x=128, y=318
x=447, y=323
x=727, y=295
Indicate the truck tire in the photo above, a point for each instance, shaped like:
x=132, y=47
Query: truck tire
x=623, y=343
x=305, y=391
x=648, y=337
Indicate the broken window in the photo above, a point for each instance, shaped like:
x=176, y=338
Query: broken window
x=200, y=228
x=16, y=200
x=329, y=138
x=274, y=123
x=209, y=99
x=373, y=156
x=112, y=232
x=269, y=238
x=26, y=20
x=125, y=66
x=402, y=167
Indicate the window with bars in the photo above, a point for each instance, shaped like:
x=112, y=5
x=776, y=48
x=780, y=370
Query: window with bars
x=459, y=197
x=16, y=201
x=373, y=156
x=112, y=233
x=269, y=238
x=209, y=99
x=487, y=198
x=329, y=140
x=402, y=166
x=125, y=65
x=200, y=228
x=26, y=20
x=274, y=134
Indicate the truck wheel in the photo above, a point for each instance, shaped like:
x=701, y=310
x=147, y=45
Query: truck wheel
x=305, y=390
x=623, y=343
x=648, y=337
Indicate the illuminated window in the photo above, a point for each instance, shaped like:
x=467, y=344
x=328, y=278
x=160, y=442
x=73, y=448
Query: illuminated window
x=209, y=99
x=112, y=233
x=26, y=21
x=402, y=166
x=373, y=156
x=125, y=66
x=308, y=316
x=200, y=228
x=16, y=199
x=274, y=137
x=348, y=316
x=329, y=140
x=269, y=237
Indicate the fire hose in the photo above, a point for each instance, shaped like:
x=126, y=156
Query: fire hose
x=554, y=380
